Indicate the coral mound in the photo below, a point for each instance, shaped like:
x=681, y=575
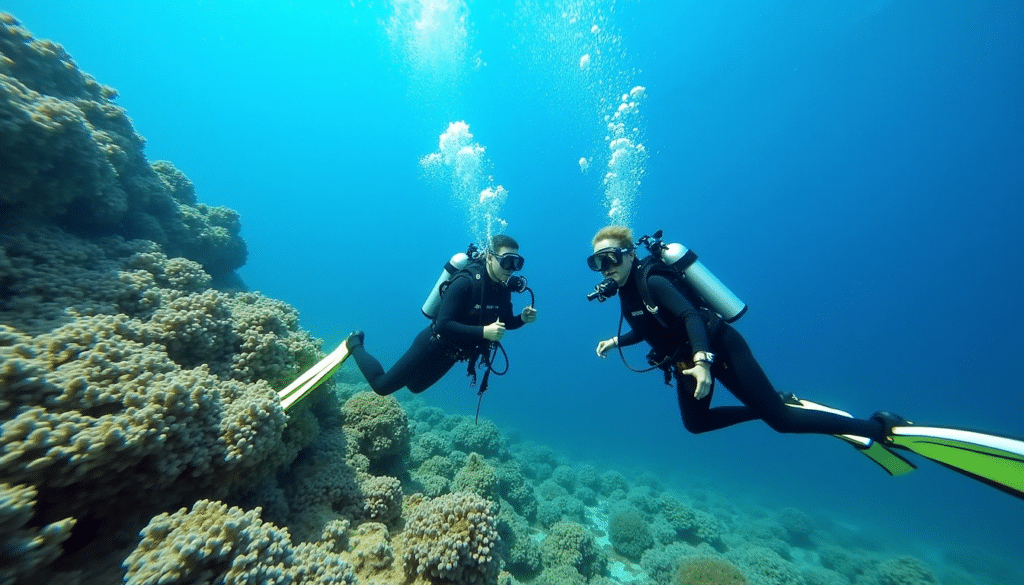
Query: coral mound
x=453, y=539
x=212, y=543
x=708, y=571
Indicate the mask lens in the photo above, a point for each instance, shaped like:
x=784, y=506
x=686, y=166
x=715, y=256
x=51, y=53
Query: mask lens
x=604, y=259
x=511, y=262
x=596, y=262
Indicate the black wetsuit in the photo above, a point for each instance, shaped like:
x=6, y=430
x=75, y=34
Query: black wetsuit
x=456, y=334
x=688, y=330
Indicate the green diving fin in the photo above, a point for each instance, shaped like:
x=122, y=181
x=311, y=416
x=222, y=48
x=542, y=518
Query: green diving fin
x=893, y=463
x=997, y=460
x=313, y=377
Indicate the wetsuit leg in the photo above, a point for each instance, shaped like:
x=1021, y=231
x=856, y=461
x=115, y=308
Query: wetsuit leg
x=422, y=365
x=699, y=417
x=740, y=373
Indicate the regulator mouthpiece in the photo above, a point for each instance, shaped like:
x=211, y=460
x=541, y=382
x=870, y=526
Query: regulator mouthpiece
x=516, y=283
x=604, y=290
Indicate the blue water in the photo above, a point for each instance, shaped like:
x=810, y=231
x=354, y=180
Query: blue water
x=853, y=170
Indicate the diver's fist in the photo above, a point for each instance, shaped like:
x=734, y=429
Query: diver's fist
x=495, y=331
x=529, y=315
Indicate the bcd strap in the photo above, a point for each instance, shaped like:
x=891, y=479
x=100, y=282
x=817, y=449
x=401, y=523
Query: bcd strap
x=645, y=291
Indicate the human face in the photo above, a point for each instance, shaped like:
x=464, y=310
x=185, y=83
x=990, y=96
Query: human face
x=618, y=272
x=509, y=257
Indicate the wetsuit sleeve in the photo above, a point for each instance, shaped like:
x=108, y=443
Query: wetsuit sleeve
x=511, y=321
x=668, y=298
x=630, y=338
x=454, y=302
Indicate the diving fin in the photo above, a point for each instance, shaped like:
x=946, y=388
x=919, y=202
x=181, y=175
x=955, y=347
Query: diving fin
x=997, y=460
x=893, y=463
x=313, y=377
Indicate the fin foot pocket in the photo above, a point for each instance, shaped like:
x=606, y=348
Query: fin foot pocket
x=354, y=340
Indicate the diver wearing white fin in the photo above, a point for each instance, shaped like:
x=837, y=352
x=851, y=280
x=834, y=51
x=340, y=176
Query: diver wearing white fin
x=471, y=308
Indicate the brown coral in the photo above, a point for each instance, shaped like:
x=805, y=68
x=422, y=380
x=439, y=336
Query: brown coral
x=382, y=498
x=708, y=571
x=214, y=543
x=69, y=156
x=452, y=538
x=378, y=424
x=26, y=549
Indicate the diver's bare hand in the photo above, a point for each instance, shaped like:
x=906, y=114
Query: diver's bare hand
x=495, y=331
x=702, y=373
x=604, y=346
x=529, y=315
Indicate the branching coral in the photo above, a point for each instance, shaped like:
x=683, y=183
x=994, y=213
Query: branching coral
x=23, y=549
x=477, y=476
x=629, y=533
x=378, y=425
x=214, y=543
x=708, y=571
x=452, y=538
x=573, y=545
x=70, y=156
x=693, y=526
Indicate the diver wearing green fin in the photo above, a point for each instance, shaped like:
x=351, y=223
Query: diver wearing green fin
x=684, y=313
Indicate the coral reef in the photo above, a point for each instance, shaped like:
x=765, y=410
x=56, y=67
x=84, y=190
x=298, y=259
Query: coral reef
x=708, y=571
x=693, y=526
x=520, y=552
x=477, y=476
x=370, y=549
x=629, y=533
x=377, y=424
x=214, y=543
x=452, y=538
x=798, y=525
x=571, y=544
x=26, y=549
x=904, y=571
x=70, y=157
x=763, y=566
x=483, y=438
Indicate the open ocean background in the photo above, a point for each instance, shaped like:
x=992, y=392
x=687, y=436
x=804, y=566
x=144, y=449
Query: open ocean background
x=854, y=170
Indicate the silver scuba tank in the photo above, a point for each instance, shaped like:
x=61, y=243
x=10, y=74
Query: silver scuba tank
x=718, y=297
x=456, y=263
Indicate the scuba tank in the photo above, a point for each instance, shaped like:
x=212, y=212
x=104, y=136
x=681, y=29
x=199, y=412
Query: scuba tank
x=455, y=264
x=684, y=261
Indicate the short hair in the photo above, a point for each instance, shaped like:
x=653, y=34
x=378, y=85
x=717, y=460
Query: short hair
x=619, y=233
x=502, y=241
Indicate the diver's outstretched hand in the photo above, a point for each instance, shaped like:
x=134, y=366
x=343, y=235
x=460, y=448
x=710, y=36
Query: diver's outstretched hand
x=604, y=346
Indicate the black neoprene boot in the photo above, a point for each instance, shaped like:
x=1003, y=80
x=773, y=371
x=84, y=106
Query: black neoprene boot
x=354, y=340
x=889, y=420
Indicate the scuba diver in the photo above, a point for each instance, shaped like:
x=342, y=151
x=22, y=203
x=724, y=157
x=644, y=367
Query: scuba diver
x=674, y=304
x=474, y=311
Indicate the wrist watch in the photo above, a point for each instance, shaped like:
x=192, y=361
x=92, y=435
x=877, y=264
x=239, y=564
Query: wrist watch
x=704, y=356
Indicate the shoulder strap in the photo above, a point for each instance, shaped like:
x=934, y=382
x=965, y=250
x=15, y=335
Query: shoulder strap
x=651, y=266
x=648, y=266
x=465, y=272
